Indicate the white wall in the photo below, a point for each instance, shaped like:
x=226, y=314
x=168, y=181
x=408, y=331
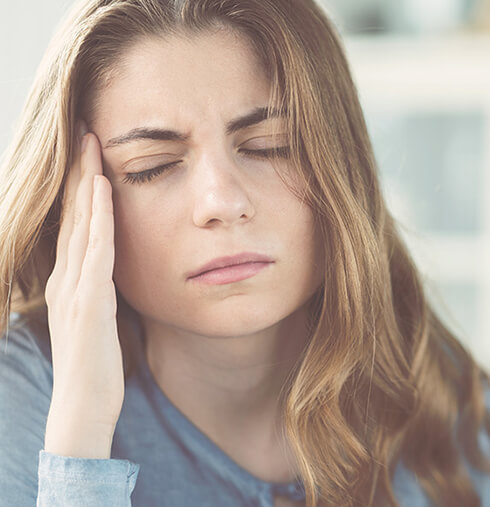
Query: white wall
x=26, y=27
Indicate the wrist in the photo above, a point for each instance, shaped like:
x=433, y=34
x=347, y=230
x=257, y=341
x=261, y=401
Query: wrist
x=77, y=438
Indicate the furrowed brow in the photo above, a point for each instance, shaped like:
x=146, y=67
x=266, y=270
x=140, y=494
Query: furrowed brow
x=258, y=115
x=140, y=133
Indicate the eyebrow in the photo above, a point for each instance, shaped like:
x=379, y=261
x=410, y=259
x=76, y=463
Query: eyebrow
x=258, y=115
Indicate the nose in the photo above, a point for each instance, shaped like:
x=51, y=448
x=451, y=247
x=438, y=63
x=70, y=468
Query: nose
x=219, y=193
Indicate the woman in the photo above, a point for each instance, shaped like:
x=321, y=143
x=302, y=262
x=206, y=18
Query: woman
x=206, y=299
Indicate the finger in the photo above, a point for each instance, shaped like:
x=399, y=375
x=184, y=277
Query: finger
x=98, y=265
x=91, y=165
x=67, y=211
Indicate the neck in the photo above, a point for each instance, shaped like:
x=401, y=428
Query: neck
x=229, y=387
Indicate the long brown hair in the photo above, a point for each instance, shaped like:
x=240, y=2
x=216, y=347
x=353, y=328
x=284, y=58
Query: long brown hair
x=381, y=379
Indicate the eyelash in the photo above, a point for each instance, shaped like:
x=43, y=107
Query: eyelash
x=149, y=174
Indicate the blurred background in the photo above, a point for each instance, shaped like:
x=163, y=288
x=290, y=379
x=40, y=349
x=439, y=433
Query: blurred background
x=423, y=74
x=422, y=69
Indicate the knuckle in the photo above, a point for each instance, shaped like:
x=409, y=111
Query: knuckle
x=64, y=216
x=94, y=243
x=68, y=202
x=47, y=295
x=79, y=302
x=50, y=288
x=77, y=217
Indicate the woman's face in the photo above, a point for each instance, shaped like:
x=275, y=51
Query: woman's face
x=217, y=200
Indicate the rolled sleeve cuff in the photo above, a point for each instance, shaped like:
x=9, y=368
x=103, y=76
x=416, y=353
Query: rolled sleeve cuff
x=72, y=482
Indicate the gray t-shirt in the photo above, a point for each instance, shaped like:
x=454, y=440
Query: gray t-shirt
x=158, y=458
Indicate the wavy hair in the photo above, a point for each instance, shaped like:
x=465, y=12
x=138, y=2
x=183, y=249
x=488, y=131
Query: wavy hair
x=381, y=379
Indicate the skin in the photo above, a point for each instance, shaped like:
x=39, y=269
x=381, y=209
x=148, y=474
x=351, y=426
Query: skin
x=220, y=352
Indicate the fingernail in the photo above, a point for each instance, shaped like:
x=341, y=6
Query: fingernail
x=82, y=130
x=84, y=143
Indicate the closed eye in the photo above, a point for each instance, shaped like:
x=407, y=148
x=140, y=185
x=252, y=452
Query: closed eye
x=280, y=151
x=149, y=174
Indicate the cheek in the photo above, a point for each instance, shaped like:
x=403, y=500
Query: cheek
x=305, y=245
x=296, y=222
x=143, y=235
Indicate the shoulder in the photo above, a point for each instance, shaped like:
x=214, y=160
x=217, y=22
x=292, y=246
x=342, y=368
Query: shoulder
x=25, y=351
x=480, y=479
x=409, y=492
x=25, y=397
x=407, y=489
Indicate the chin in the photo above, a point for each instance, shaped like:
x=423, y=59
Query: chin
x=233, y=323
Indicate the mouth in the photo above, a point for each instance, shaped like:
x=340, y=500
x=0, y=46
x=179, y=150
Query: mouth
x=230, y=262
x=230, y=274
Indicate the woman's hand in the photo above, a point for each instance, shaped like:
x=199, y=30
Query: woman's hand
x=88, y=377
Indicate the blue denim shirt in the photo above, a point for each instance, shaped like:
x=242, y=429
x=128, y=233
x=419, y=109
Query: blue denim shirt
x=158, y=457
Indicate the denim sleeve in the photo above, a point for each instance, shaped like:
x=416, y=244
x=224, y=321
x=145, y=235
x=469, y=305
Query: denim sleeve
x=25, y=397
x=481, y=480
x=28, y=473
x=409, y=492
x=84, y=482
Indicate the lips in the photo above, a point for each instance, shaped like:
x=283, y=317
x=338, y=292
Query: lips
x=222, y=262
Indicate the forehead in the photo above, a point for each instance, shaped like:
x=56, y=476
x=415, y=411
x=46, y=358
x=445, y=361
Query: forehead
x=210, y=73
